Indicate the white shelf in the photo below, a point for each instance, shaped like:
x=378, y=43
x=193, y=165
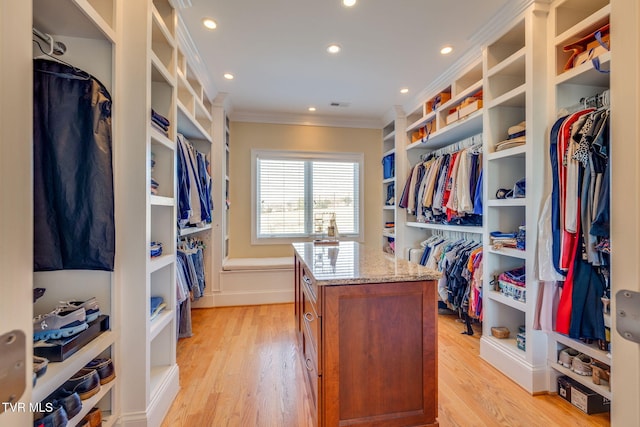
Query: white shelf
x=390, y=136
x=158, y=324
x=59, y=372
x=459, y=228
x=510, y=252
x=389, y=180
x=386, y=153
x=582, y=379
x=519, y=151
x=161, y=138
x=591, y=23
x=386, y=233
x=461, y=96
x=192, y=230
x=159, y=71
x=163, y=27
x=161, y=200
x=97, y=19
x=513, y=63
x=189, y=126
x=421, y=121
x=521, y=201
x=585, y=74
x=160, y=262
x=513, y=98
x=88, y=404
x=389, y=207
x=497, y=296
x=510, y=345
x=590, y=350
x=456, y=131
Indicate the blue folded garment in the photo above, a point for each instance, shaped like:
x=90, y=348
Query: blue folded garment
x=500, y=234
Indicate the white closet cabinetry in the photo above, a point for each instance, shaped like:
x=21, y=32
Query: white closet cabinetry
x=427, y=128
x=148, y=345
x=195, y=123
x=389, y=200
x=514, y=92
x=89, y=30
x=570, y=20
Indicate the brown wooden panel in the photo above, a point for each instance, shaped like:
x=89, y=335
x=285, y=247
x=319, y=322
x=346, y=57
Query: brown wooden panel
x=380, y=354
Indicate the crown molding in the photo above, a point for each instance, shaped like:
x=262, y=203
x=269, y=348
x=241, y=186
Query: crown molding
x=190, y=51
x=305, y=120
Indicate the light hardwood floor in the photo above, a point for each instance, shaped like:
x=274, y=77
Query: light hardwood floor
x=241, y=369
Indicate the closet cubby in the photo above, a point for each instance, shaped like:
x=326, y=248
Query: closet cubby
x=451, y=114
x=514, y=94
x=389, y=188
x=88, y=29
x=571, y=20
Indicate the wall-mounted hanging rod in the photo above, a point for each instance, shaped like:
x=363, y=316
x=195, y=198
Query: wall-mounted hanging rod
x=55, y=47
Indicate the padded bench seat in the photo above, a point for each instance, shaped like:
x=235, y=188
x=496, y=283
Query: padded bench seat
x=274, y=263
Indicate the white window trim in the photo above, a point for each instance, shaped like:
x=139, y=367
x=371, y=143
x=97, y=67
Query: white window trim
x=303, y=155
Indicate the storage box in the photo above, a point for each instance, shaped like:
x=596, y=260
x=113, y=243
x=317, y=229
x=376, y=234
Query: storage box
x=582, y=397
x=60, y=349
x=564, y=388
x=453, y=116
x=436, y=101
x=470, y=108
x=521, y=341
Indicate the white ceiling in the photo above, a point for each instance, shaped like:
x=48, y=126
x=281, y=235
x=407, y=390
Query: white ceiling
x=277, y=51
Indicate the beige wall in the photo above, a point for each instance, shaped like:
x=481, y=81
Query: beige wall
x=247, y=136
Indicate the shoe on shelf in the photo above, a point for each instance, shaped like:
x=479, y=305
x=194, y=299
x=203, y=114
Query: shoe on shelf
x=91, y=308
x=104, y=367
x=69, y=400
x=86, y=382
x=566, y=357
x=93, y=418
x=601, y=372
x=58, y=324
x=40, y=365
x=581, y=365
x=56, y=418
x=37, y=293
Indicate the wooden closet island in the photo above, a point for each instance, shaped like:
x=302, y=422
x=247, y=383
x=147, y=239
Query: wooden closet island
x=367, y=331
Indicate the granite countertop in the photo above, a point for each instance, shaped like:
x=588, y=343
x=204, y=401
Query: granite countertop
x=354, y=263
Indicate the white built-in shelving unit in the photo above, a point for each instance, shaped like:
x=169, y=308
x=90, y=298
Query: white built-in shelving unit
x=89, y=30
x=514, y=90
x=389, y=197
x=571, y=20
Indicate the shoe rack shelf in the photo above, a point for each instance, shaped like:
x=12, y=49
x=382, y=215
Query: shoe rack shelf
x=89, y=29
x=569, y=21
x=90, y=403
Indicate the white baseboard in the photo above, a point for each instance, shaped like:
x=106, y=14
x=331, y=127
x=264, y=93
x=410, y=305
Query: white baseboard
x=534, y=379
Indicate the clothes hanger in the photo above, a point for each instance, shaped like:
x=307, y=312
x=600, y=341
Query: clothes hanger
x=81, y=74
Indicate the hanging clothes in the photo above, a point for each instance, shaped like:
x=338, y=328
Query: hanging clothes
x=446, y=189
x=195, y=203
x=73, y=174
x=579, y=150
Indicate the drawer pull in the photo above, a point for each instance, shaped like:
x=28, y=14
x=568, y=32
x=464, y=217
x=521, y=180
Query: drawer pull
x=309, y=364
x=309, y=316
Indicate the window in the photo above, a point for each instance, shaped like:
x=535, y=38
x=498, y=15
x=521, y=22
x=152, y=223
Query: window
x=295, y=194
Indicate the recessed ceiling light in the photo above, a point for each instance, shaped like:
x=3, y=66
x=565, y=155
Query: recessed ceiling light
x=348, y=3
x=209, y=23
x=446, y=50
x=312, y=109
x=333, y=48
x=404, y=90
x=228, y=76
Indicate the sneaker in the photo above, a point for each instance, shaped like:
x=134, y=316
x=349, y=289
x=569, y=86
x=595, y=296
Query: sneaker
x=104, y=368
x=58, y=324
x=91, y=308
x=85, y=382
x=581, y=365
x=566, y=357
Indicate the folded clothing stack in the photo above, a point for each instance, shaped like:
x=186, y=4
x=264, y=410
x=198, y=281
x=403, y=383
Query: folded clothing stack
x=512, y=283
x=503, y=240
x=157, y=304
x=517, y=136
x=160, y=122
